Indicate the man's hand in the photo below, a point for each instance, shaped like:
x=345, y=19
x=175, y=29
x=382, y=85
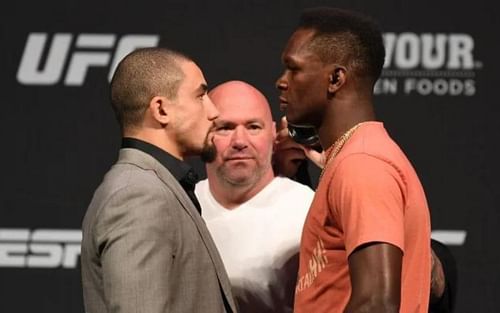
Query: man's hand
x=437, y=278
x=288, y=155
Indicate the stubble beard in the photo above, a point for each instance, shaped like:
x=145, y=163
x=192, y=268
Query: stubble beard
x=251, y=178
x=224, y=174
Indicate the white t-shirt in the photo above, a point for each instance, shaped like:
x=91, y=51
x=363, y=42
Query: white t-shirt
x=259, y=242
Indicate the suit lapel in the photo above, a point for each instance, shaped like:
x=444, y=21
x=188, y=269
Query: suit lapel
x=144, y=160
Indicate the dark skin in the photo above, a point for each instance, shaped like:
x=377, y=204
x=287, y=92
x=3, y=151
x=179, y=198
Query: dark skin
x=288, y=156
x=329, y=98
x=375, y=271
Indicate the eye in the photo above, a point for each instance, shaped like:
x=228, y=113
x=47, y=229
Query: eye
x=292, y=67
x=254, y=128
x=223, y=129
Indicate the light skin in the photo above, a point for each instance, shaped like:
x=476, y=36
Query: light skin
x=180, y=126
x=329, y=98
x=244, y=135
x=243, y=125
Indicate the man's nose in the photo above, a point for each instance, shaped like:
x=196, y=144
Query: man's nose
x=212, y=112
x=239, y=138
x=281, y=83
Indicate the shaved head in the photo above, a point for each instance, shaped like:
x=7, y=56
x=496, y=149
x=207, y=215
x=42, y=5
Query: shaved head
x=243, y=137
x=236, y=93
x=141, y=75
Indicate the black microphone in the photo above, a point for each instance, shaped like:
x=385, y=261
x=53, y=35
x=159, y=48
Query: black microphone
x=304, y=135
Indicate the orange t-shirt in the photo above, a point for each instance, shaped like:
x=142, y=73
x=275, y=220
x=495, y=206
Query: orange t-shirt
x=368, y=193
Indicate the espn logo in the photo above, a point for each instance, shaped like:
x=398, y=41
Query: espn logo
x=89, y=50
x=40, y=248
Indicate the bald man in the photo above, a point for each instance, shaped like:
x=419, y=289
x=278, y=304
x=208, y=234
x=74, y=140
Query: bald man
x=255, y=218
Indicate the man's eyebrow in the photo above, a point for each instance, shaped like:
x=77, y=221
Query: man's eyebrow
x=202, y=88
x=220, y=122
x=255, y=120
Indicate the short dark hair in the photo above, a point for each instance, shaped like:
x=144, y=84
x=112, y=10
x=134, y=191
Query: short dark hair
x=140, y=76
x=346, y=37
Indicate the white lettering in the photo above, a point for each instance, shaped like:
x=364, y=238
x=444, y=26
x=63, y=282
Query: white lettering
x=29, y=72
x=12, y=253
x=450, y=237
x=45, y=255
x=407, y=51
x=427, y=51
x=42, y=248
x=130, y=43
x=385, y=86
x=461, y=46
x=433, y=50
x=81, y=61
x=439, y=86
x=90, y=50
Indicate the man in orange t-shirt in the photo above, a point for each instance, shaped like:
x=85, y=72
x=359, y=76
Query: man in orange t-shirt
x=365, y=243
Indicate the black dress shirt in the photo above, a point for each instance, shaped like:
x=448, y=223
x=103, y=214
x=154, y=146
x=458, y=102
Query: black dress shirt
x=181, y=171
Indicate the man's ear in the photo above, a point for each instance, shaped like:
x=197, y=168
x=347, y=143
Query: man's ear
x=337, y=79
x=159, y=108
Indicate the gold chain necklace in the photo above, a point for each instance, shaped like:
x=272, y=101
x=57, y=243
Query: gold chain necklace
x=335, y=148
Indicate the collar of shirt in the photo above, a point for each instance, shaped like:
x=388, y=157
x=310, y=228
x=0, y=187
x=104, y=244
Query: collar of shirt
x=181, y=171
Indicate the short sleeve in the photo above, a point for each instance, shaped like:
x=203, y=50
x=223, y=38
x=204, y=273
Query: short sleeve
x=366, y=196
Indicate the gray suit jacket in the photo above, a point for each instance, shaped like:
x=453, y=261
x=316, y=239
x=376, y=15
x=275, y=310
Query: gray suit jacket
x=146, y=248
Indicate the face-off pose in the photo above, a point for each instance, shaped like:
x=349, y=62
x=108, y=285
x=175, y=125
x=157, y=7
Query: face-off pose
x=365, y=245
x=145, y=246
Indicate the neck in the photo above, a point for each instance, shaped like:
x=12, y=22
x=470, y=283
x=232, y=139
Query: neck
x=155, y=137
x=230, y=195
x=341, y=115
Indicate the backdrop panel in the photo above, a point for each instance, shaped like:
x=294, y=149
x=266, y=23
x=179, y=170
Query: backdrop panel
x=59, y=136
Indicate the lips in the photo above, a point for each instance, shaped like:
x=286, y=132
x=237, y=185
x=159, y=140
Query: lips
x=238, y=157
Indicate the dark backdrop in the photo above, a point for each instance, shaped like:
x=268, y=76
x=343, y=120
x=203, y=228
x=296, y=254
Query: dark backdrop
x=58, y=134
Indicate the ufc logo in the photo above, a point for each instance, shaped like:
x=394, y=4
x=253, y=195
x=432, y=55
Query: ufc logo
x=89, y=50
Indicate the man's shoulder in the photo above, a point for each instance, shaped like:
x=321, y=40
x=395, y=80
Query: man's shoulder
x=202, y=188
x=290, y=185
x=127, y=177
x=372, y=140
x=126, y=186
x=121, y=175
x=202, y=183
x=284, y=190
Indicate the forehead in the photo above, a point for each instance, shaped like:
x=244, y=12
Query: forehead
x=298, y=44
x=240, y=106
x=193, y=76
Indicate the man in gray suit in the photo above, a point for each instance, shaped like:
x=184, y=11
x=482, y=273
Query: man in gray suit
x=145, y=246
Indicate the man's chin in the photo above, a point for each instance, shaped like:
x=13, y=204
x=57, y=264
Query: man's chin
x=238, y=175
x=292, y=119
x=298, y=121
x=239, y=180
